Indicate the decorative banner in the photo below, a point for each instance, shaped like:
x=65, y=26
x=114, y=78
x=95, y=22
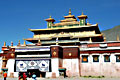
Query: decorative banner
x=44, y=65
x=23, y=65
x=32, y=65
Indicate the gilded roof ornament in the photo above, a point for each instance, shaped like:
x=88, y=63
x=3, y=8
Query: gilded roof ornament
x=11, y=43
x=104, y=38
x=70, y=11
x=19, y=43
x=82, y=16
x=118, y=38
x=82, y=13
x=90, y=40
x=4, y=44
x=50, y=16
x=39, y=42
x=50, y=19
x=24, y=43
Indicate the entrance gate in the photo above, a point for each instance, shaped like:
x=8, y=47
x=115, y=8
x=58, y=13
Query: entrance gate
x=39, y=67
x=36, y=72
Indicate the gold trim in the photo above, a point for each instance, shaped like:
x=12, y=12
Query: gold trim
x=60, y=28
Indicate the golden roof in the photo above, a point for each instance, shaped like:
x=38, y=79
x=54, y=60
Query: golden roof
x=95, y=35
x=69, y=16
x=68, y=20
x=66, y=23
x=50, y=19
x=57, y=28
x=82, y=16
x=42, y=38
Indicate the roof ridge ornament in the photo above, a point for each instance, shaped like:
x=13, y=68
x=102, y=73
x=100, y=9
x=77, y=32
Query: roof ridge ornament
x=82, y=13
x=118, y=38
x=50, y=17
x=11, y=43
x=24, y=43
x=19, y=43
x=39, y=42
x=90, y=40
x=70, y=11
x=104, y=38
x=4, y=44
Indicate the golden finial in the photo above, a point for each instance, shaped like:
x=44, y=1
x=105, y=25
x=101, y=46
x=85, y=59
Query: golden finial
x=24, y=43
x=4, y=44
x=118, y=38
x=19, y=43
x=82, y=13
x=104, y=38
x=11, y=43
x=39, y=42
x=90, y=40
x=70, y=11
x=50, y=16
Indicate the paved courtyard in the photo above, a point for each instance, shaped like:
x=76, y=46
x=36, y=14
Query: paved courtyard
x=72, y=78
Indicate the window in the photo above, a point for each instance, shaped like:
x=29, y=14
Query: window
x=84, y=58
x=117, y=58
x=106, y=58
x=95, y=58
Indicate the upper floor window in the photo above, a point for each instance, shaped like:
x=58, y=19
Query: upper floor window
x=106, y=58
x=84, y=58
x=95, y=58
x=117, y=58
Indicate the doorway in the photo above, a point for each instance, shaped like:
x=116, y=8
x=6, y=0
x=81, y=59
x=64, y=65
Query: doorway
x=36, y=72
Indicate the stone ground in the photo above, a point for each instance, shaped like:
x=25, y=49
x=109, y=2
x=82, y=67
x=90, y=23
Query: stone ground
x=72, y=78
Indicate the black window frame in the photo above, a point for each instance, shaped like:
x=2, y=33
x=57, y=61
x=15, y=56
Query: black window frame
x=86, y=57
x=105, y=58
x=97, y=58
x=117, y=58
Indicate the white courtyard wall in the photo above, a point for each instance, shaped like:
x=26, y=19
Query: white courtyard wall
x=101, y=68
x=72, y=67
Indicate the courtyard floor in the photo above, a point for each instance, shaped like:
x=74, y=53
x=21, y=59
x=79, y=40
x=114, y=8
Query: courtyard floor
x=71, y=78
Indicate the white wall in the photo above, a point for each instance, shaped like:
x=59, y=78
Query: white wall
x=55, y=66
x=72, y=67
x=10, y=66
x=101, y=68
x=0, y=63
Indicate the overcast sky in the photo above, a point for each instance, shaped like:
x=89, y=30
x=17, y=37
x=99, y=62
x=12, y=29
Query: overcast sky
x=16, y=16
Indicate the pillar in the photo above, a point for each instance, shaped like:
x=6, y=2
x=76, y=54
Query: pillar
x=55, y=60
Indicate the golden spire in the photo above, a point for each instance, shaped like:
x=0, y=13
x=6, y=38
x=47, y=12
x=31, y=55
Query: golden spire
x=19, y=43
x=118, y=38
x=39, y=42
x=11, y=43
x=24, y=43
x=4, y=44
x=104, y=39
x=90, y=40
x=50, y=16
x=70, y=11
x=82, y=13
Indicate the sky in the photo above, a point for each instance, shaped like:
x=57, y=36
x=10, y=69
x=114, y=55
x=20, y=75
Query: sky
x=17, y=16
